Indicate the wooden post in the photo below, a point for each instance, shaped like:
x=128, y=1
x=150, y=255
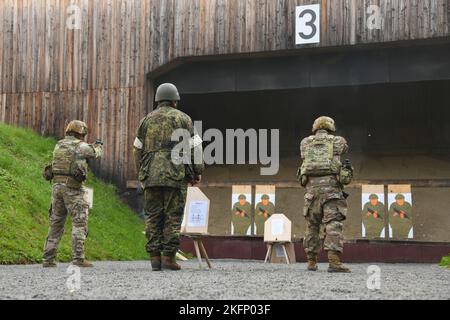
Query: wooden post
x=270, y=248
x=286, y=254
x=205, y=254
x=269, y=253
x=200, y=250
x=197, y=251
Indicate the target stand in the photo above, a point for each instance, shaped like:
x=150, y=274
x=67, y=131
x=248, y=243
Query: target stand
x=200, y=250
x=271, y=247
x=196, y=222
x=277, y=236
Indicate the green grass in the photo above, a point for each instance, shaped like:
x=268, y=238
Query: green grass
x=445, y=261
x=115, y=232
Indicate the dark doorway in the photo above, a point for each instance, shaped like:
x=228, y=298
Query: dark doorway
x=391, y=103
x=396, y=131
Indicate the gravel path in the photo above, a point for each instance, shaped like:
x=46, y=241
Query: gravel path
x=231, y=280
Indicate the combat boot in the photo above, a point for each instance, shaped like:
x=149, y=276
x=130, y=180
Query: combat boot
x=82, y=264
x=336, y=265
x=312, y=264
x=169, y=263
x=155, y=260
x=49, y=264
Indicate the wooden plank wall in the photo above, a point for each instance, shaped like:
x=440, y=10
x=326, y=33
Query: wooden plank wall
x=51, y=74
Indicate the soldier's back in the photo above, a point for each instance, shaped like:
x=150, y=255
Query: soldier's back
x=157, y=166
x=160, y=125
x=339, y=143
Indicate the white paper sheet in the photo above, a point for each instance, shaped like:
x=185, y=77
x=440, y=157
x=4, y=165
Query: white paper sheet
x=197, y=214
x=277, y=227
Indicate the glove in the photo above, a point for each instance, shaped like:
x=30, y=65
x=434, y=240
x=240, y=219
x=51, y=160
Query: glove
x=347, y=164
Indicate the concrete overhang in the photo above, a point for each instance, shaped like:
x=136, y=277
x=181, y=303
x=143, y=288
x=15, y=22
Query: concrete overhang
x=396, y=62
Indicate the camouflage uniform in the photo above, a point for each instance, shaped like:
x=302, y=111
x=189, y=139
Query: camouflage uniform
x=165, y=182
x=401, y=225
x=373, y=225
x=325, y=203
x=260, y=218
x=68, y=198
x=241, y=224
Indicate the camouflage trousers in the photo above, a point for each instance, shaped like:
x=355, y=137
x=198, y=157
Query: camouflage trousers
x=324, y=205
x=67, y=201
x=164, y=210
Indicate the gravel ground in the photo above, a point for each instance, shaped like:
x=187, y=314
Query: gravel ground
x=230, y=280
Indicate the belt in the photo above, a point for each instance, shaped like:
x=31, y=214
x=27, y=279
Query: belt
x=328, y=180
x=66, y=180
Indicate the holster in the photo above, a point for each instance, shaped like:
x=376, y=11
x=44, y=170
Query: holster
x=48, y=173
x=303, y=179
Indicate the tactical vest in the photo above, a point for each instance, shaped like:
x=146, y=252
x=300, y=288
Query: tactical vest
x=65, y=163
x=319, y=157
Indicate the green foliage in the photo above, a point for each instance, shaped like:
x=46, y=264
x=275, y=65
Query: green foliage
x=115, y=232
x=445, y=261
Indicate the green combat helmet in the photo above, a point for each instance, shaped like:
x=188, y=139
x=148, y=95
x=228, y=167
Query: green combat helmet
x=242, y=197
x=324, y=123
x=399, y=197
x=167, y=92
x=265, y=197
x=373, y=197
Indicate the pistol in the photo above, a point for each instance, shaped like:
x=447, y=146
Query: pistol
x=263, y=212
x=347, y=164
x=373, y=212
x=402, y=212
x=242, y=211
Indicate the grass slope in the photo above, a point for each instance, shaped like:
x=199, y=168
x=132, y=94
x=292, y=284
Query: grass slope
x=115, y=232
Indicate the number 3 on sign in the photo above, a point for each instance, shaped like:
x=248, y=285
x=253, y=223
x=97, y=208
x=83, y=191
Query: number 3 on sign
x=307, y=24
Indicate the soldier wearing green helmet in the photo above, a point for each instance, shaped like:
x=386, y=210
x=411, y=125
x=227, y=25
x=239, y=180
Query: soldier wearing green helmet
x=164, y=182
x=263, y=211
x=373, y=217
x=400, y=217
x=241, y=216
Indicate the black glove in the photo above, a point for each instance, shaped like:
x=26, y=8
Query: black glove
x=347, y=164
x=98, y=141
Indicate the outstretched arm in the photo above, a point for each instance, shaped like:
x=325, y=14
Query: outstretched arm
x=91, y=151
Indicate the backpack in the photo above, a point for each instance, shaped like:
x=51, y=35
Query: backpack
x=65, y=160
x=318, y=157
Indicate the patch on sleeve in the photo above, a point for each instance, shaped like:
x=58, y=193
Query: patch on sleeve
x=138, y=144
x=195, y=141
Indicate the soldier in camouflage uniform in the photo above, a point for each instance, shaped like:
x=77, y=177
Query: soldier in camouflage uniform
x=68, y=172
x=373, y=217
x=241, y=216
x=400, y=217
x=164, y=180
x=263, y=211
x=323, y=176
